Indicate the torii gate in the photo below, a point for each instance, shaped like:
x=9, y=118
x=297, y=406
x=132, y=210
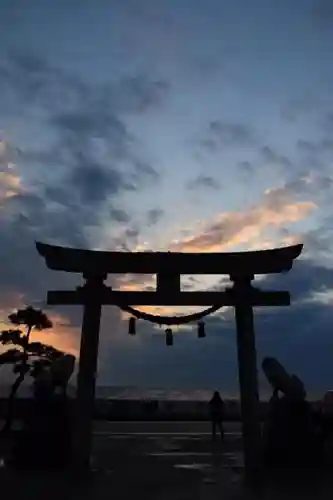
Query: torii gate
x=168, y=266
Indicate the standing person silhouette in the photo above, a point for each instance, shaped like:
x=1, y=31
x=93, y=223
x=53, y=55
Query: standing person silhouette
x=216, y=410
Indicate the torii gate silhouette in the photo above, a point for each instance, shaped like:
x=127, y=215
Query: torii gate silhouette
x=168, y=266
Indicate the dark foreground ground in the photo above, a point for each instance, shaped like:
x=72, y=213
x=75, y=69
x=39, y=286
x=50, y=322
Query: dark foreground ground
x=157, y=461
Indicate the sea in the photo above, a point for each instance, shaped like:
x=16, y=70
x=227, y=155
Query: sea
x=144, y=394
x=134, y=393
x=162, y=394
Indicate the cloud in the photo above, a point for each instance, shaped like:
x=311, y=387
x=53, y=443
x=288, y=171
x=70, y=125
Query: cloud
x=306, y=102
x=143, y=170
x=316, y=154
x=246, y=167
x=278, y=208
x=30, y=78
x=90, y=159
x=139, y=94
x=273, y=158
x=85, y=120
x=299, y=336
x=235, y=228
x=125, y=360
x=154, y=215
x=7, y=155
x=10, y=185
x=318, y=241
x=306, y=338
x=95, y=183
x=119, y=215
x=78, y=180
x=204, y=181
x=10, y=179
x=315, y=186
x=221, y=134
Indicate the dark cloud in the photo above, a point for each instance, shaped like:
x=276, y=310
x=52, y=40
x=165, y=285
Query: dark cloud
x=315, y=150
x=31, y=214
x=145, y=170
x=119, y=215
x=30, y=205
x=306, y=278
x=307, y=146
x=204, y=181
x=91, y=159
x=138, y=94
x=224, y=134
x=306, y=102
x=299, y=336
x=31, y=78
x=76, y=181
x=52, y=157
x=29, y=63
x=319, y=241
x=182, y=366
x=128, y=240
x=28, y=79
x=154, y=215
x=61, y=195
x=246, y=167
x=91, y=123
x=94, y=183
x=23, y=271
x=83, y=119
x=274, y=158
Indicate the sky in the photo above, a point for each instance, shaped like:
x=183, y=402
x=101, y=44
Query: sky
x=171, y=125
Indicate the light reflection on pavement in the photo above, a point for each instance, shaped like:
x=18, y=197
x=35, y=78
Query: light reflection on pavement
x=206, y=464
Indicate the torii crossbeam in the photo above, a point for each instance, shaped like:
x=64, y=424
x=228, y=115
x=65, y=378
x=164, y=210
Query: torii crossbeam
x=168, y=266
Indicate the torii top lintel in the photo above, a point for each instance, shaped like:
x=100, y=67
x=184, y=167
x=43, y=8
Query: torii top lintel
x=74, y=260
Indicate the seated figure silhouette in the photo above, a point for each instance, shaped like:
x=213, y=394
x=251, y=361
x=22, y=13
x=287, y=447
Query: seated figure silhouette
x=216, y=412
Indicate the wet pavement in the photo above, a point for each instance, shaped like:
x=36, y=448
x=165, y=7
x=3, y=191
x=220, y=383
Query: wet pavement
x=181, y=466
x=149, y=466
x=172, y=464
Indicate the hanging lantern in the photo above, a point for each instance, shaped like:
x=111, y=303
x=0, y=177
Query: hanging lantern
x=131, y=326
x=168, y=337
x=201, y=330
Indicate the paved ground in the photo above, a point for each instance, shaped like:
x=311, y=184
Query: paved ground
x=155, y=461
x=174, y=428
x=150, y=460
x=178, y=443
x=167, y=459
x=157, y=455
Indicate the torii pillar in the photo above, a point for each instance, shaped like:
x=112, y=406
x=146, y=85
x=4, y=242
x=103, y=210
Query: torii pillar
x=248, y=378
x=240, y=266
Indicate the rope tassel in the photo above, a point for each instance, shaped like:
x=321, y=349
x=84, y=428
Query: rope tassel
x=168, y=337
x=201, y=330
x=132, y=326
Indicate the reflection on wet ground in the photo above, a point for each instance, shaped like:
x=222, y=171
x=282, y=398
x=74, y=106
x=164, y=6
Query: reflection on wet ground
x=197, y=468
x=181, y=467
x=194, y=465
